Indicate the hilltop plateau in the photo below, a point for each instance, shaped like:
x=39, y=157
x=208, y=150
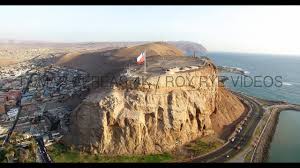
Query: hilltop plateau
x=153, y=116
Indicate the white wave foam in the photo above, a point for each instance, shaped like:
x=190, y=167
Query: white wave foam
x=286, y=84
x=246, y=72
x=295, y=83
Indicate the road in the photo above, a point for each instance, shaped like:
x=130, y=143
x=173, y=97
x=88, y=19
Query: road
x=241, y=139
x=45, y=158
x=18, y=104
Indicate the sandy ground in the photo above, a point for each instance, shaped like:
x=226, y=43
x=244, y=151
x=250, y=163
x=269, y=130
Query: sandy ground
x=7, y=61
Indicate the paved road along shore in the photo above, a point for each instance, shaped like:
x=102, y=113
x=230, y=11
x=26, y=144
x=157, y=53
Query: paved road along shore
x=241, y=139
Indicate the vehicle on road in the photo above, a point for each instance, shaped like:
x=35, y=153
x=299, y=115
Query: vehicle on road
x=237, y=147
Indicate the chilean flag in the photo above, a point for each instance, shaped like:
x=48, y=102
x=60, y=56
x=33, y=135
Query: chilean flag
x=141, y=59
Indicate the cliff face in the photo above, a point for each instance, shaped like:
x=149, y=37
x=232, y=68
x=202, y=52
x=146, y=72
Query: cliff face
x=171, y=107
x=228, y=111
x=151, y=118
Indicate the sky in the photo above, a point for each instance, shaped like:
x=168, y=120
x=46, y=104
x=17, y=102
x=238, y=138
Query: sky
x=250, y=29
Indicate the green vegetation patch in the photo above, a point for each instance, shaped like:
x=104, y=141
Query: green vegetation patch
x=63, y=154
x=199, y=147
x=12, y=151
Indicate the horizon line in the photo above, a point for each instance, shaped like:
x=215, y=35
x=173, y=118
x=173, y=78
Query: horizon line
x=15, y=41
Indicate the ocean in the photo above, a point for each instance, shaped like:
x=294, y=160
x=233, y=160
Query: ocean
x=285, y=146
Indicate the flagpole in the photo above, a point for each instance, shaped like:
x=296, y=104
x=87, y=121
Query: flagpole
x=145, y=62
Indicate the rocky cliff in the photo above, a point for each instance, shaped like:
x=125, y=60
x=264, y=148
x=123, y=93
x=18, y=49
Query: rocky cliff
x=168, y=107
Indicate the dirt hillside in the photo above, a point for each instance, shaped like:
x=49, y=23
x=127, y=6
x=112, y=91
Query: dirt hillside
x=115, y=60
x=229, y=110
x=157, y=48
x=7, y=61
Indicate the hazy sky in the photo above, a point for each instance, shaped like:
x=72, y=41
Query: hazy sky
x=260, y=29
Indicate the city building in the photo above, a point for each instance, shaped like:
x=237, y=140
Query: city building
x=12, y=113
x=13, y=94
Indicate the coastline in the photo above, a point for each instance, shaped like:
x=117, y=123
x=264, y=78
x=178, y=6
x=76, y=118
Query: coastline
x=262, y=151
x=261, y=154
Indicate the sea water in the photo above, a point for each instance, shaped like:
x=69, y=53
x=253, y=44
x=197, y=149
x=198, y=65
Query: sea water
x=285, y=146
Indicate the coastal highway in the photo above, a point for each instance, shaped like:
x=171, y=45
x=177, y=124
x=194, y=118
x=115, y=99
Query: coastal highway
x=230, y=149
x=45, y=158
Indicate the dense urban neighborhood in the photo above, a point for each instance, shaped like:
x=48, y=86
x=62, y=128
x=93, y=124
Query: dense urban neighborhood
x=33, y=96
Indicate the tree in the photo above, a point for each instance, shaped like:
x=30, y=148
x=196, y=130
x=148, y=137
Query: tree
x=2, y=155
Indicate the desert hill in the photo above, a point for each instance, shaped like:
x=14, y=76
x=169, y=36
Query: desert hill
x=115, y=60
x=157, y=48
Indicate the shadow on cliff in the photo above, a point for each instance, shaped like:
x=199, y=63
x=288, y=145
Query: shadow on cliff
x=97, y=63
x=228, y=113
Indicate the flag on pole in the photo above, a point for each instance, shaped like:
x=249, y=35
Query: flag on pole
x=141, y=59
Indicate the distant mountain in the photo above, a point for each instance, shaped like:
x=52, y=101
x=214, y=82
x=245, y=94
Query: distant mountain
x=190, y=47
x=187, y=47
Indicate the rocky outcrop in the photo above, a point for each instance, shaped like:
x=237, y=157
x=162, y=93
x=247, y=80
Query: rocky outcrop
x=151, y=118
x=171, y=106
